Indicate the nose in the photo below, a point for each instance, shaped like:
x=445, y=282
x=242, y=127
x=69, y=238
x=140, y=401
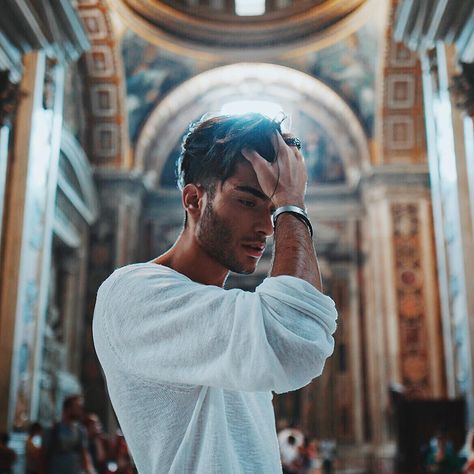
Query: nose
x=264, y=225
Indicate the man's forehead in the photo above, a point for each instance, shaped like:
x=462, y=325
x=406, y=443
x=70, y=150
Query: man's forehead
x=244, y=179
x=244, y=186
x=257, y=192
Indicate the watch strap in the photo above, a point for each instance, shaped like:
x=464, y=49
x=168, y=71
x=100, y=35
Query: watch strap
x=297, y=211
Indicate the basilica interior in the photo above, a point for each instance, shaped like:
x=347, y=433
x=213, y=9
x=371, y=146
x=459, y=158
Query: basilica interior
x=95, y=98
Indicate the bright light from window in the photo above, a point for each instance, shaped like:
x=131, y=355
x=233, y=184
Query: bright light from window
x=249, y=7
x=270, y=109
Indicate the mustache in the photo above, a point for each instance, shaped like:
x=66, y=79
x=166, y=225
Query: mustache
x=254, y=241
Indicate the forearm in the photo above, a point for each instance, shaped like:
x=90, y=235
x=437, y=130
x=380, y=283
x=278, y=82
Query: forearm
x=294, y=252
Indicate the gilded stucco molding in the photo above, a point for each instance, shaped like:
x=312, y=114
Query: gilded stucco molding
x=105, y=96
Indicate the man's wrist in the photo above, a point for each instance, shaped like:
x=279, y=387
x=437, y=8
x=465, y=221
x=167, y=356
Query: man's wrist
x=288, y=201
x=296, y=211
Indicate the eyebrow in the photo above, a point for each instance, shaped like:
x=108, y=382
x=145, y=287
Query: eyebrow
x=251, y=190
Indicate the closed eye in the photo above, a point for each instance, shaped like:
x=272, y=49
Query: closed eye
x=247, y=203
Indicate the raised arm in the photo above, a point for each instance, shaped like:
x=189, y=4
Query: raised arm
x=182, y=332
x=284, y=181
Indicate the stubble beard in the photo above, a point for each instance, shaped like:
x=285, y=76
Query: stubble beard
x=215, y=237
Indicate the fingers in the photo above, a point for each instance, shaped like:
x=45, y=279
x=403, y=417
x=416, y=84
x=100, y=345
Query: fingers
x=267, y=174
x=282, y=144
x=255, y=159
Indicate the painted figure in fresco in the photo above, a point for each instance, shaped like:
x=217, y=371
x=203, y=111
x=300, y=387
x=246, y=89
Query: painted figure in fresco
x=190, y=366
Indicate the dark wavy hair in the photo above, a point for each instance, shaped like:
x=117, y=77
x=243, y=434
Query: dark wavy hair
x=212, y=147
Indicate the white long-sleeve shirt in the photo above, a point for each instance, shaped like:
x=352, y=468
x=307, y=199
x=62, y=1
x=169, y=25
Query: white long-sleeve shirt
x=190, y=368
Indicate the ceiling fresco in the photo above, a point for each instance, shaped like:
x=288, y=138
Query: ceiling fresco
x=150, y=73
x=349, y=67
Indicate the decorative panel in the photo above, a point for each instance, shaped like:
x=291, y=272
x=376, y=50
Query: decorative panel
x=104, y=92
x=409, y=281
x=403, y=118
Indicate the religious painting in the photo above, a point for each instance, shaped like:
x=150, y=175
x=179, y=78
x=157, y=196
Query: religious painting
x=349, y=67
x=150, y=74
x=324, y=163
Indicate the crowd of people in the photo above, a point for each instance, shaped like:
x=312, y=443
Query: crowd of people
x=76, y=444
x=301, y=454
x=440, y=456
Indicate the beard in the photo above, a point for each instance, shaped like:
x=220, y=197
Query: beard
x=216, y=237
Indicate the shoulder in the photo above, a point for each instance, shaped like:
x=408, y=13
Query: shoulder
x=140, y=277
x=142, y=286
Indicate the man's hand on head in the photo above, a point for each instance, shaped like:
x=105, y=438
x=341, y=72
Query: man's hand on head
x=284, y=180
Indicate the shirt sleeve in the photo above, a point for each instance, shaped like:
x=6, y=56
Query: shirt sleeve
x=164, y=327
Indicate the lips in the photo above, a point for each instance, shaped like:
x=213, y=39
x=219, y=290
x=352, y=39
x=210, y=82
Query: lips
x=254, y=249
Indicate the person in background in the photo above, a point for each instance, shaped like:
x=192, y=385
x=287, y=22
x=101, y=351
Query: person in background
x=290, y=441
x=34, y=450
x=468, y=467
x=66, y=442
x=309, y=456
x=327, y=449
x=97, y=442
x=441, y=457
x=120, y=460
x=7, y=455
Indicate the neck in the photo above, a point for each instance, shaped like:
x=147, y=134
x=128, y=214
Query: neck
x=187, y=257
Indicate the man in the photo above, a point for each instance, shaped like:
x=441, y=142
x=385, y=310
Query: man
x=66, y=442
x=97, y=442
x=190, y=367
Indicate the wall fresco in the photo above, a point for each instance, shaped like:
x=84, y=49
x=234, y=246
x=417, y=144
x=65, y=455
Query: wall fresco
x=323, y=162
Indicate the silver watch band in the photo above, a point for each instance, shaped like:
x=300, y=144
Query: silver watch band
x=297, y=212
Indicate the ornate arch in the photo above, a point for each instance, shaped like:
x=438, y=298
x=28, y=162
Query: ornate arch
x=293, y=89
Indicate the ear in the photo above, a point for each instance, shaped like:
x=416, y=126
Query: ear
x=192, y=200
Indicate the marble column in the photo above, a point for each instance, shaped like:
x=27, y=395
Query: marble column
x=28, y=235
x=403, y=326
x=451, y=151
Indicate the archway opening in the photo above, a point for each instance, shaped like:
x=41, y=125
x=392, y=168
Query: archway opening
x=334, y=143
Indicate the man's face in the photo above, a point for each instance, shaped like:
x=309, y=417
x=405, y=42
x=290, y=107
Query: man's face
x=235, y=223
x=76, y=409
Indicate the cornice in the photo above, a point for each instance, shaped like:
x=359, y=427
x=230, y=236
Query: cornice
x=52, y=26
x=421, y=24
